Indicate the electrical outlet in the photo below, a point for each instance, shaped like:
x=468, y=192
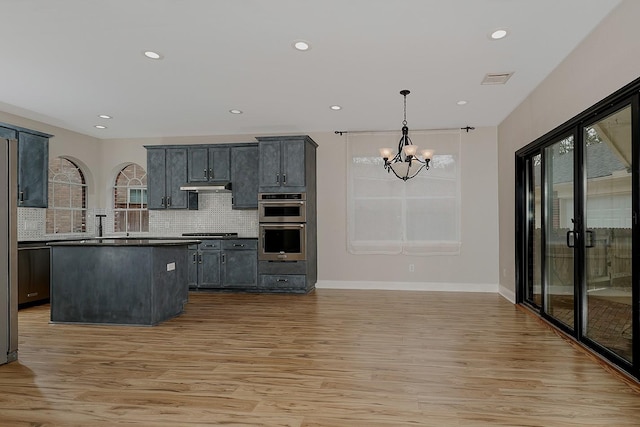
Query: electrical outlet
x=412, y=268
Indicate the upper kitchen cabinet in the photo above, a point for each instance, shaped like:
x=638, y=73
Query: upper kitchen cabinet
x=166, y=172
x=244, y=163
x=209, y=164
x=286, y=164
x=33, y=165
x=33, y=170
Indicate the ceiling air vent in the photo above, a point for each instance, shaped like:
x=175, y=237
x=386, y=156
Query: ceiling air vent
x=496, y=78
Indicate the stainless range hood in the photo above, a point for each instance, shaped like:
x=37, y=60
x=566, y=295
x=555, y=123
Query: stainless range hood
x=212, y=187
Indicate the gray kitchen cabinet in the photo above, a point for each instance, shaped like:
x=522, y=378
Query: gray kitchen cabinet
x=8, y=133
x=244, y=163
x=224, y=264
x=192, y=269
x=240, y=264
x=166, y=172
x=283, y=283
x=209, y=265
x=33, y=170
x=286, y=164
x=209, y=164
x=204, y=265
x=33, y=165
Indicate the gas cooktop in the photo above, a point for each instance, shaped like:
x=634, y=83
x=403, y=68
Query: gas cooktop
x=207, y=234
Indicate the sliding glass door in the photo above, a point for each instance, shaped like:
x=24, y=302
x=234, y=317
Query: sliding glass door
x=577, y=209
x=608, y=232
x=559, y=233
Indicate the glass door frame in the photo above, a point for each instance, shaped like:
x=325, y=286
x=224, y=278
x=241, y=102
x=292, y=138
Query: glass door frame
x=629, y=95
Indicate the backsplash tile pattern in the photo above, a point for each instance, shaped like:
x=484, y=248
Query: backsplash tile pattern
x=214, y=215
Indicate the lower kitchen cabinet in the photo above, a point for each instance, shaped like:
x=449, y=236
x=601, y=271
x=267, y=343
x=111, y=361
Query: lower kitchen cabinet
x=224, y=264
x=240, y=264
x=283, y=283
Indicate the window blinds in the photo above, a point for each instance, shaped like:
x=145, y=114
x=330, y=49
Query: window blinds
x=386, y=215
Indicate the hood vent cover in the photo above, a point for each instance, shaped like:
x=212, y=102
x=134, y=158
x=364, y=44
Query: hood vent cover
x=213, y=187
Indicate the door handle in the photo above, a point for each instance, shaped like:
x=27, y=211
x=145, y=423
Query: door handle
x=571, y=237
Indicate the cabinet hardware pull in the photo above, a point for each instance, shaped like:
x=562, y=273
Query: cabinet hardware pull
x=277, y=178
x=199, y=258
x=224, y=258
x=194, y=257
x=21, y=197
x=237, y=245
x=284, y=178
x=169, y=201
x=210, y=173
x=162, y=203
x=205, y=173
x=282, y=280
x=32, y=294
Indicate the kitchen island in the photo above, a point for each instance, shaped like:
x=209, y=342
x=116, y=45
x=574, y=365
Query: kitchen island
x=118, y=281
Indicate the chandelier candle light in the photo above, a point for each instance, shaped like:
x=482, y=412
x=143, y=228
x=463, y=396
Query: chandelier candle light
x=405, y=164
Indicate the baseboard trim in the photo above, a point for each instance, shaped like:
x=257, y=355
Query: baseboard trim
x=507, y=294
x=409, y=286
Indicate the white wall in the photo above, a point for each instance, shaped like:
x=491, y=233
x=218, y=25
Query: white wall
x=603, y=63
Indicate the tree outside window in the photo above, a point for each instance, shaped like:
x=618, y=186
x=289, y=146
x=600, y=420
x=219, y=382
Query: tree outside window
x=130, y=212
x=67, y=211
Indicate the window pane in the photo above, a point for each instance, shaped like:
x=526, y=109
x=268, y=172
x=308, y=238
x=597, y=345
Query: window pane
x=130, y=200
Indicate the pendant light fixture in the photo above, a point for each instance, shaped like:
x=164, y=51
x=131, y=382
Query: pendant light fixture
x=405, y=164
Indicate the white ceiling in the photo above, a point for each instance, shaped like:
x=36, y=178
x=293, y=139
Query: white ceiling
x=66, y=61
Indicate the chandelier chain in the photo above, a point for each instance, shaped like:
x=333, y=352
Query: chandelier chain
x=404, y=122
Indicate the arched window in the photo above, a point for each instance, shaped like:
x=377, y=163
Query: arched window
x=130, y=212
x=67, y=212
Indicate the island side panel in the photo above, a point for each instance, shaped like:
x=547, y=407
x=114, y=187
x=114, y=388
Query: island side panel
x=170, y=283
x=101, y=284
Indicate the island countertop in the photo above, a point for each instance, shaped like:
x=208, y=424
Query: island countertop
x=125, y=242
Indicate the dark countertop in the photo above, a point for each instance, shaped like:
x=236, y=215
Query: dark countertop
x=193, y=240
x=126, y=242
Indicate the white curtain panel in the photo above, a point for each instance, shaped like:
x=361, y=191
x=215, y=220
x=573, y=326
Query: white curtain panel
x=386, y=215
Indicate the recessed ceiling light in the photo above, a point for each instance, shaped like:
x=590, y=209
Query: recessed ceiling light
x=235, y=111
x=153, y=55
x=100, y=127
x=336, y=107
x=105, y=116
x=301, y=45
x=462, y=102
x=498, y=34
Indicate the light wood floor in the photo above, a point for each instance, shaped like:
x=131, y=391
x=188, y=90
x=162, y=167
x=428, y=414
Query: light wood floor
x=332, y=358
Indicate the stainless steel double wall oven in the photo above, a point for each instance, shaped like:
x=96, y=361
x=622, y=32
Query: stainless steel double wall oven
x=282, y=222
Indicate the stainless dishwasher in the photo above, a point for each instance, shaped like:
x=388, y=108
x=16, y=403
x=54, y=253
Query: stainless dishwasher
x=33, y=274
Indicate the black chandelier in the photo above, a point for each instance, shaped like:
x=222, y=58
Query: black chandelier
x=405, y=164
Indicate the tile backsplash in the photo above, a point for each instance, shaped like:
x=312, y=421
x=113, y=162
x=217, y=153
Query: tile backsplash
x=214, y=214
